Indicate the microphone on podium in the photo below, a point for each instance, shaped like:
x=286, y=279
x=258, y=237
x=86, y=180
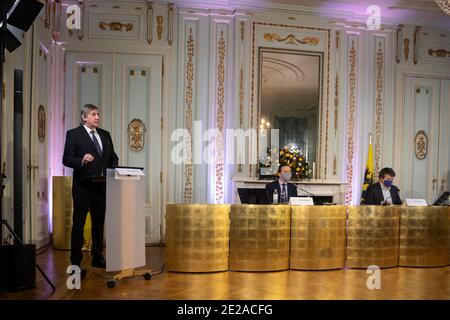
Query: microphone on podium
x=305, y=191
x=315, y=197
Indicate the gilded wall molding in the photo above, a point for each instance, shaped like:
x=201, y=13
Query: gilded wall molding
x=188, y=98
x=441, y=53
x=421, y=145
x=136, y=135
x=41, y=123
x=159, y=26
x=115, y=26
x=252, y=94
x=220, y=118
x=47, y=10
x=81, y=30
x=56, y=29
x=351, y=120
x=406, y=48
x=379, y=104
x=170, y=24
x=336, y=99
x=327, y=106
x=241, y=104
x=338, y=36
x=415, y=49
x=397, y=42
x=291, y=39
x=149, y=22
x=336, y=102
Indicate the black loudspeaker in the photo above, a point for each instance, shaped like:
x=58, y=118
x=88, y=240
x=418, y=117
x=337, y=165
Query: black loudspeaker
x=17, y=152
x=17, y=271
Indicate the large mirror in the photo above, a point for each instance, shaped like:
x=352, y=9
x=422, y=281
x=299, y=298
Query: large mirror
x=290, y=99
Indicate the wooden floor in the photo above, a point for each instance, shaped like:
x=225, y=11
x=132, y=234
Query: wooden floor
x=396, y=283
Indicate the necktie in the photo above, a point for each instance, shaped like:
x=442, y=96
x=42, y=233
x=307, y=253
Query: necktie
x=283, y=194
x=97, y=145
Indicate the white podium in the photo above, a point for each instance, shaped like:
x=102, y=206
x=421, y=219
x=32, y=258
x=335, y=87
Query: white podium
x=125, y=223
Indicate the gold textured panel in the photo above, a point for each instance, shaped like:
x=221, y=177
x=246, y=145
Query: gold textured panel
x=372, y=236
x=318, y=236
x=424, y=239
x=62, y=216
x=259, y=237
x=62, y=212
x=197, y=237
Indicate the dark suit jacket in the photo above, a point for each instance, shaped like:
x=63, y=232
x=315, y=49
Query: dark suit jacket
x=78, y=143
x=374, y=195
x=270, y=187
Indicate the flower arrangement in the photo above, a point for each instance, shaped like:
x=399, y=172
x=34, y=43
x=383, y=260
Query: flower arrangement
x=290, y=155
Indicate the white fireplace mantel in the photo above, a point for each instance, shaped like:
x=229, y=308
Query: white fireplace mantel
x=336, y=189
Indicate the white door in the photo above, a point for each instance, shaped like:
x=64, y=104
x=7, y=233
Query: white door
x=125, y=87
x=88, y=80
x=138, y=81
x=420, y=114
x=38, y=166
x=443, y=175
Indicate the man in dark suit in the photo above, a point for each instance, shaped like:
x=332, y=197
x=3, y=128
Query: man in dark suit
x=383, y=192
x=89, y=151
x=284, y=189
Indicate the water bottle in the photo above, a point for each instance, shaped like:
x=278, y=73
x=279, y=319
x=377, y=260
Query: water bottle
x=275, y=196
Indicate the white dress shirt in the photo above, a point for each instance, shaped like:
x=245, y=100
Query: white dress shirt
x=386, y=193
x=285, y=195
x=96, y=135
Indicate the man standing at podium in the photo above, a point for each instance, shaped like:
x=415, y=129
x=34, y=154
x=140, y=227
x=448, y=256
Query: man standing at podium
x=89, y=151
x=285, y=190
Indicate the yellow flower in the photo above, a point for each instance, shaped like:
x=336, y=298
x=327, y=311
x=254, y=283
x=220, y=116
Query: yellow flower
x=298, y=169
x=281, y=153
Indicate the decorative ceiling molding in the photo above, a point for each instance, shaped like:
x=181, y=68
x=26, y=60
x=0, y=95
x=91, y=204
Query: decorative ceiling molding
x=441, y=53
x=291, y=39
x=115, y=26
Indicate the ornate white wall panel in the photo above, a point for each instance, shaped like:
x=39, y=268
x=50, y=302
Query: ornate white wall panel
x=221, y=73
x=112, y=26
x=303, y=38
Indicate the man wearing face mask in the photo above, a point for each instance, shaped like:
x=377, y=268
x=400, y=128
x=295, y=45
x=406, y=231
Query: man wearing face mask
x=383, y=192
x=284, y=189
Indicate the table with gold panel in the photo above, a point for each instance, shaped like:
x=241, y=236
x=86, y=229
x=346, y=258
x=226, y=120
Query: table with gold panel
x=372, y=236
x=318, y=237
x=259, y=237
x=206, y=238
x=197, y=237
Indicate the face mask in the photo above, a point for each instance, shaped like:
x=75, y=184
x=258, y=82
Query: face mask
x=286, y=176
x=387, y=183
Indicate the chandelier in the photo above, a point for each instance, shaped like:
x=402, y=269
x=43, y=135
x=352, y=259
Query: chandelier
x=444, y=5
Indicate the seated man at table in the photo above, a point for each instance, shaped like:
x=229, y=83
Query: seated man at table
x=284, y=189
x=383, y=192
